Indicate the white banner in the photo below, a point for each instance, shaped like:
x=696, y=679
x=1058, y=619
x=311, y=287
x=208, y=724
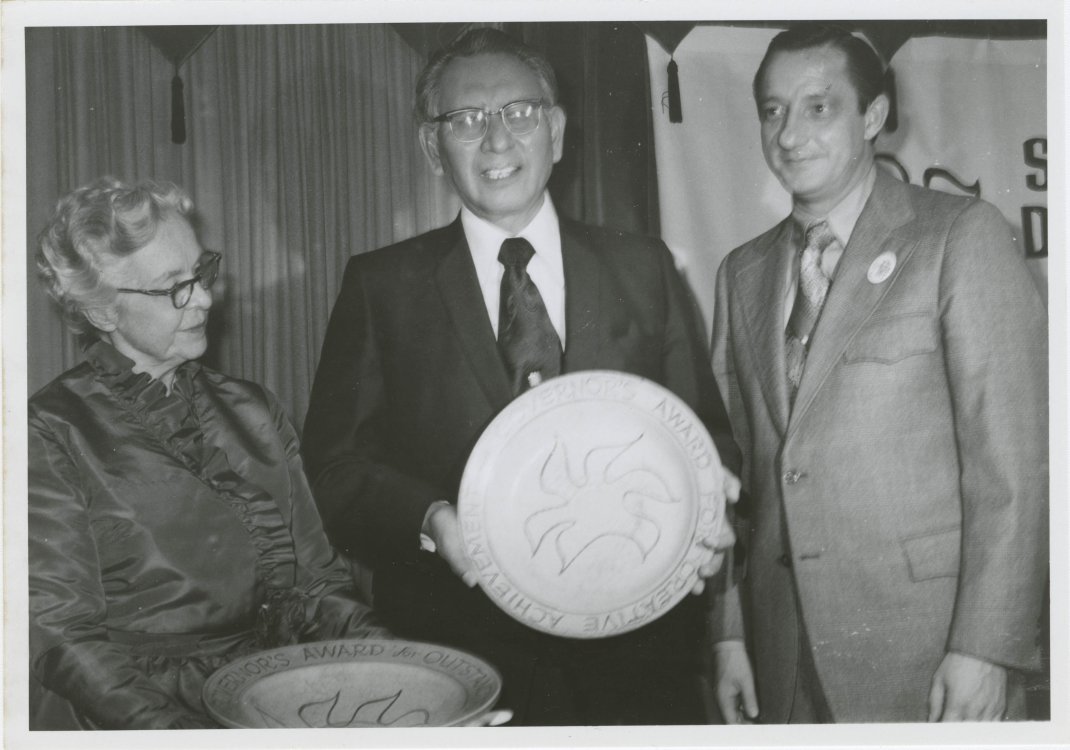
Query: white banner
x=971, y=120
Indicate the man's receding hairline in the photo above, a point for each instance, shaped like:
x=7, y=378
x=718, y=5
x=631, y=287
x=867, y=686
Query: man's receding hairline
x=540, y=84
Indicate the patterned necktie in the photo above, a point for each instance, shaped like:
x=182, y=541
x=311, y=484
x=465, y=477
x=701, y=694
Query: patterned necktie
x=809, y=297
x=528, y=342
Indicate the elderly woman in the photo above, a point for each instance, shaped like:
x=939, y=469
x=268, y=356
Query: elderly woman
x=171, y=526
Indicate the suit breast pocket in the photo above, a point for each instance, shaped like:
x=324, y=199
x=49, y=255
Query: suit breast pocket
x=892, y=338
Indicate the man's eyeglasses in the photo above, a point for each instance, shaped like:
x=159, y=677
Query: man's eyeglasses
x=470, y=124
x=205, y=272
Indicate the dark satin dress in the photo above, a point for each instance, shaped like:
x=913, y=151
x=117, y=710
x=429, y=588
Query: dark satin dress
x=168, y=534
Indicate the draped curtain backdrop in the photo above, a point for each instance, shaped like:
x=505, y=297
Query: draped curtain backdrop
x=301, y=151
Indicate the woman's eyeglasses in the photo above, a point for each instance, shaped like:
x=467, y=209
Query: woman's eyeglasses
x=205, y=272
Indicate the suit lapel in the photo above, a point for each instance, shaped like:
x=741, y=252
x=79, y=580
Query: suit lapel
x=583, y=301
x=761, y=286
x=852, y=297
x=463, y=299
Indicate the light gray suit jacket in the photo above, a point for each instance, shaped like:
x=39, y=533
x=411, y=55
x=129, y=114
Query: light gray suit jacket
x=905, y=494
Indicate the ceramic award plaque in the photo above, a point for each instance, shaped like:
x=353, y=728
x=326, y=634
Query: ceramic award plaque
x=583, y=504
x=352, y=684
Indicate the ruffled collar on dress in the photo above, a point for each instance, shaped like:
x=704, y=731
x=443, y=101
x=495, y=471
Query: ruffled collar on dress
x=116, y=371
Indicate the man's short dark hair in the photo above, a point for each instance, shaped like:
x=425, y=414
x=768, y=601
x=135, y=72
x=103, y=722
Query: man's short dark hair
x=864, y=67
x=479, y=41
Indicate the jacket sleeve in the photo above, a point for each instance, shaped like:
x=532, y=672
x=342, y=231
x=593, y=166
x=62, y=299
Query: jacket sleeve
x=370, y=510
x=725, y=615
x=994, y=329
x=724, y=371
x=70, y=653
x=322, y=574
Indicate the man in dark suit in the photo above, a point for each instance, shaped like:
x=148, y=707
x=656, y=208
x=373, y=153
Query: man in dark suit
x=883, y=354
x=419, y=357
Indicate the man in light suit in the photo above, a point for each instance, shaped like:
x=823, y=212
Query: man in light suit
x=883, y=355
x=413, y=368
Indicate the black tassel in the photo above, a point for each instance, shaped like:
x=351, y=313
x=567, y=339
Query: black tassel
x=676, y=113
x=178, y=111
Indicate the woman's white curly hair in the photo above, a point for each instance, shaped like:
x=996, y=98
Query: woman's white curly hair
x=93, y=227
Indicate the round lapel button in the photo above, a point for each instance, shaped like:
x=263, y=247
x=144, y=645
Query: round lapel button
x=881, y=267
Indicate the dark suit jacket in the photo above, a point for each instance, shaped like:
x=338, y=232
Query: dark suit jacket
x=410, y=375
x=904, y=496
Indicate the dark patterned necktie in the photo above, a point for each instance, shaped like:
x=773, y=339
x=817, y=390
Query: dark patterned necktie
x=809, y=298
x=527, y=340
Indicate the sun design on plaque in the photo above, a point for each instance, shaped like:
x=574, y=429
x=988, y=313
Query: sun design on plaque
x=612, y=496
x=333, y=712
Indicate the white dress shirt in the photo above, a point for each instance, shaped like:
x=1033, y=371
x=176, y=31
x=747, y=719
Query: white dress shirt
x=545, y=268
